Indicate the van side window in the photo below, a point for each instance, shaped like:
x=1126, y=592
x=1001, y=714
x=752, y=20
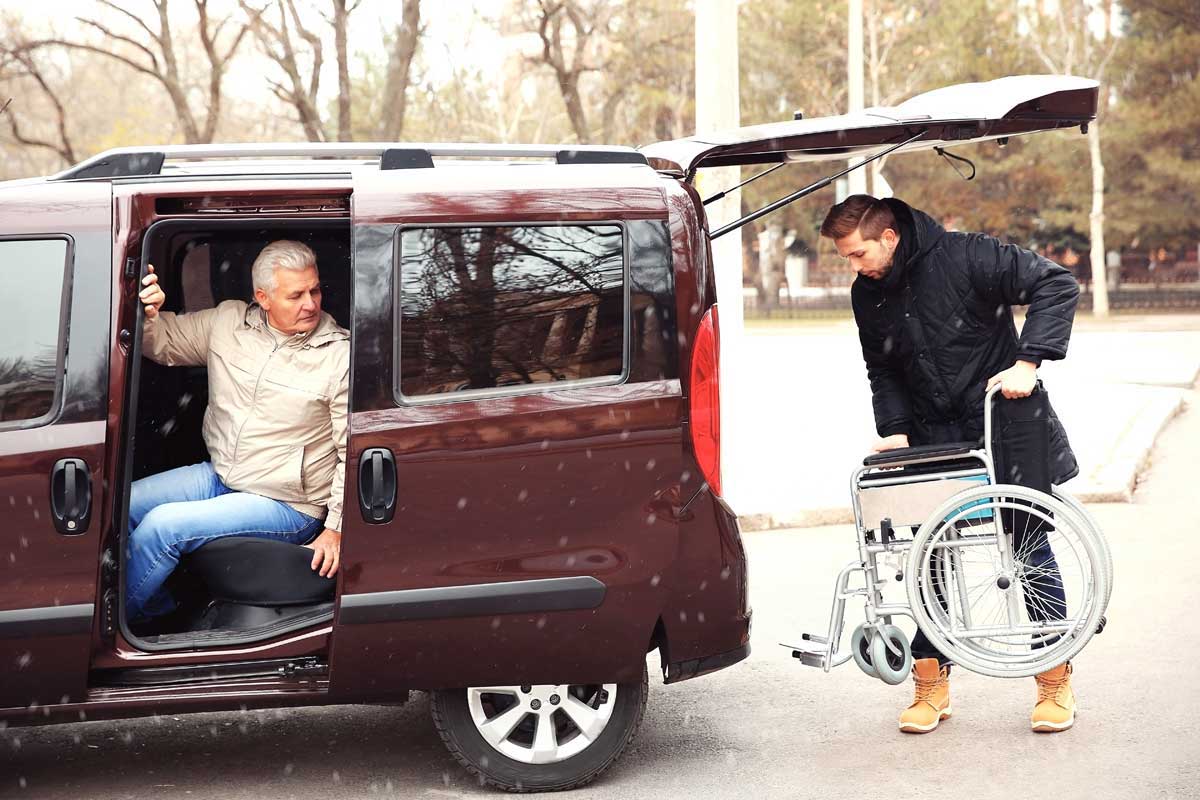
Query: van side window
x=32, y=277
x=488, y=307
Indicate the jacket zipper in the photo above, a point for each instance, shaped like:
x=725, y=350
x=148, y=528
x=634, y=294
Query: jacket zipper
x=253, y=402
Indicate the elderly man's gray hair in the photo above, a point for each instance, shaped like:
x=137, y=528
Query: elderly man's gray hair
x=281, y=254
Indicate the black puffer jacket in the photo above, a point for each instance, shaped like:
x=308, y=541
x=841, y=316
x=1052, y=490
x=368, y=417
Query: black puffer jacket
x=940, y=323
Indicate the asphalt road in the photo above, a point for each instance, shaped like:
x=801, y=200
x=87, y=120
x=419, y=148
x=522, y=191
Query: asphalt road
x=766, y=728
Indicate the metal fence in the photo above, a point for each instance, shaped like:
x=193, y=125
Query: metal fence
x=834, y=302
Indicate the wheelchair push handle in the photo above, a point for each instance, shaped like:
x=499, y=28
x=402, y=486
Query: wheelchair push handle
x=988, y=401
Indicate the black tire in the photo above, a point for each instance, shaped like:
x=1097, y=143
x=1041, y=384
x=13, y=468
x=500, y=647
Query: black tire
x=452, y=719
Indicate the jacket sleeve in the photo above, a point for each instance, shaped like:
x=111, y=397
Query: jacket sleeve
x=178, y=340
x=889, y=393
x=1005, y=273
x=339, y=415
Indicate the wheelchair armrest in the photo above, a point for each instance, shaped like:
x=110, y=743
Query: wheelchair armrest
x=920, y=452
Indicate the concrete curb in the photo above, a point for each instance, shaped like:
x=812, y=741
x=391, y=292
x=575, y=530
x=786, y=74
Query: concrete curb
x=1112, y=482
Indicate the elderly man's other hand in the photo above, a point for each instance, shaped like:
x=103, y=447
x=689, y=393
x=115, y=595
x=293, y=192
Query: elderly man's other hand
x=1016, y=381
x=152, y=296
x=327, y=549
x=893, y=442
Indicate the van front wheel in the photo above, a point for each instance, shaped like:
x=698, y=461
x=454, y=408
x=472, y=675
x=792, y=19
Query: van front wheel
x=539, y=738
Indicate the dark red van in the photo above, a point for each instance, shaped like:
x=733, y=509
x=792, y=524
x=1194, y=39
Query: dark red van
x=533, y=480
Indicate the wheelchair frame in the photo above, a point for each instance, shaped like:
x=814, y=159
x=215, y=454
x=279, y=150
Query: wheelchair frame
x=878, y=541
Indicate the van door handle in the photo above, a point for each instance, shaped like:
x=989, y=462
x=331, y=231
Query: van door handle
x=377, y=485
x=71, y=496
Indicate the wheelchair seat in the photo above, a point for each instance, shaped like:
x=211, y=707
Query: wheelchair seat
x=923, y=452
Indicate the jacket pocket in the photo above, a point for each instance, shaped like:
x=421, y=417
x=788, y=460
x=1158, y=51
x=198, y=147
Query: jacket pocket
x=234, y=360
x=273, y=471
x=289, y=474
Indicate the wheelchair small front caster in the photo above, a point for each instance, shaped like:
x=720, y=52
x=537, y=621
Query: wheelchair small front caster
x=891, y=656
x=860, y=646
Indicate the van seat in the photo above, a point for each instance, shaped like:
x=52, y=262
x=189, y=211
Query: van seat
x=260, y=572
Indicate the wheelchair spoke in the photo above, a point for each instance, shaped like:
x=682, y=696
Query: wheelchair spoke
x=1011, y=590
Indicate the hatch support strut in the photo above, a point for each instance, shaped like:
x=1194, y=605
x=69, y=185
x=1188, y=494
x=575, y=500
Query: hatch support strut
x=807, y=190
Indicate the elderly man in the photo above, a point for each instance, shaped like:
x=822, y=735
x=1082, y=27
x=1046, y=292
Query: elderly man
x=278, y=372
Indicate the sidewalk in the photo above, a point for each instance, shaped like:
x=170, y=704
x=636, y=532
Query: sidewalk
x=788, y=463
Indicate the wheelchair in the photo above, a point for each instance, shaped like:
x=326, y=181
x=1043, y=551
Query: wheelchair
x=1004, y=580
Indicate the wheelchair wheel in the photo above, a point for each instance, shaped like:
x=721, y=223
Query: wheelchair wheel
x=860, y=646
x=1008, y=581
x=892, y=664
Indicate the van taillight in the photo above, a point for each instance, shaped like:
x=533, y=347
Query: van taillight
x=706, y=399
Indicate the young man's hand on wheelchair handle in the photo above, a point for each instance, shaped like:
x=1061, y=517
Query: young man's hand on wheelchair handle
x=1016, y=381
x=893, y=442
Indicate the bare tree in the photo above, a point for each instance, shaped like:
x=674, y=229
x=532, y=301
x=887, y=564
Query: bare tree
x=341, y=21
x=296, y=46
x=151, y=50
x=566, y=29
x=569, y=32
x=631, y=48
x=1067, y=44
x=889, y=23
x=273, y=26
x=24, y=63
x=405, y=38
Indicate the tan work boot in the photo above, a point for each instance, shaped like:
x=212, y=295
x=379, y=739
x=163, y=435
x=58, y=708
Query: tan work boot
x=1055, y=709
x=931, y=704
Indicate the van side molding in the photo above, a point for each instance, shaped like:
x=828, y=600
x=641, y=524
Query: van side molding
x=575, y=593
x=47, y=621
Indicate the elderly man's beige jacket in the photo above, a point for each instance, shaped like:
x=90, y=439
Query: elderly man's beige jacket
x=277, y=406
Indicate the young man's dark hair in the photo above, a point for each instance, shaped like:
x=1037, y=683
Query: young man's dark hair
x=935, y=322
x=861, y=212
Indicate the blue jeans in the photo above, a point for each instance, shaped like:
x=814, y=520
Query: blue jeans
x=175, y=512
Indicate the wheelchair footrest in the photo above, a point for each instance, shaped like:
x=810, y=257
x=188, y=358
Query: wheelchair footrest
x=814, y=652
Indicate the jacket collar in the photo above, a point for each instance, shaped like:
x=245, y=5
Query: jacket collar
x=327, y=329
x=919, y=233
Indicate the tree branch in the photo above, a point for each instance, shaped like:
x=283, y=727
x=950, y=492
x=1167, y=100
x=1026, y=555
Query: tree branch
x=121, y=38
x=66, y=154
x=67, y=150
x=133, y=17
x=40, y=43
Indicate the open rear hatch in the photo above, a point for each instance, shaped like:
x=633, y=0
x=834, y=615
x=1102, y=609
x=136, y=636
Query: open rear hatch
x=965, y=112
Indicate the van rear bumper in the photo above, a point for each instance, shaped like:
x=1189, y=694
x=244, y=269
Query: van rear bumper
x=683, y=670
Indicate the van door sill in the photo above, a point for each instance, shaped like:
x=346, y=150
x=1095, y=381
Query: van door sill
x=192, y=674
x=225, y=637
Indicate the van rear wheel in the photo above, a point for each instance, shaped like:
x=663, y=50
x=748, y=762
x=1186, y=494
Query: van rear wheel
x=539, y=738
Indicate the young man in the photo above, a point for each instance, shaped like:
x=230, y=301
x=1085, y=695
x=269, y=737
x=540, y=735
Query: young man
x=933, y=309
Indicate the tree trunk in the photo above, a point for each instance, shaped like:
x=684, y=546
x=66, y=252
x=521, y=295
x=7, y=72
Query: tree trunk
x=569, y=84
x=340, y=17
x=407, y=34
x=1099, y=272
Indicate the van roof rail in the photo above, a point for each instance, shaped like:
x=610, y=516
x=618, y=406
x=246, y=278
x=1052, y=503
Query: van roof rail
x=124, y=162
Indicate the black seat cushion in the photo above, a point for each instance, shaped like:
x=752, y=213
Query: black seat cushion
x=934, y=451
x=262, y=572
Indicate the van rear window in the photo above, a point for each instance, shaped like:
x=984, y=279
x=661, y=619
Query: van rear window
x=32, y=275
x=483, y=308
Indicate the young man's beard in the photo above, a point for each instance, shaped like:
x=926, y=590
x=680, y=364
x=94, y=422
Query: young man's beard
x=885, y=265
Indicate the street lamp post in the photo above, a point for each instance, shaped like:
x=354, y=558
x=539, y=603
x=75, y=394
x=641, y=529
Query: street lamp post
x=717, y=108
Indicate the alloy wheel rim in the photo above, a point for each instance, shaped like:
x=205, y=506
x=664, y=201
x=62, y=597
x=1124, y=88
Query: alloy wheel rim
x=541, y=724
